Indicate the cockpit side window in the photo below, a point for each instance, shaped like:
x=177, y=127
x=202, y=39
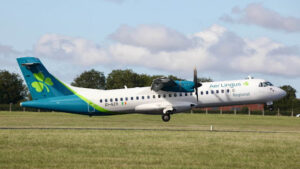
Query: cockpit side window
x=265, y=84
x=269, y=84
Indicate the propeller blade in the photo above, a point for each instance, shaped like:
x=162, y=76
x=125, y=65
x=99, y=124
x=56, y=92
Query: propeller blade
x=197, y=94
x=196, y=84
x=195, y=76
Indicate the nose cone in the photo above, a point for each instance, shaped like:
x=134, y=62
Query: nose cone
x=281, y=93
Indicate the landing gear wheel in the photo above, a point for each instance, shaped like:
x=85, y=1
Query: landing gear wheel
x=166, y=117
x=271, y=108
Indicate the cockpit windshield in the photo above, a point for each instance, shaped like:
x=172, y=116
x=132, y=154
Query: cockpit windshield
x=265, y=84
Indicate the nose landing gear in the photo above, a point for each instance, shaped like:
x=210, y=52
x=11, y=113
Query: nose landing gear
x=271, y=107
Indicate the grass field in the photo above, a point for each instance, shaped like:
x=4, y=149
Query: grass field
x=195, y=146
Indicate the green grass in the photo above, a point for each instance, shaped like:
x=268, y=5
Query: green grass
x=56, y=148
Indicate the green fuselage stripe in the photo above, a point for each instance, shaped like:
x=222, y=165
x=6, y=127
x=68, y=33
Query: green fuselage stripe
x=95, y=106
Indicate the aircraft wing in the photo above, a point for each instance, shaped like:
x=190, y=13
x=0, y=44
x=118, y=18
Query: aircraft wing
x=167, y=84
x=162, y=83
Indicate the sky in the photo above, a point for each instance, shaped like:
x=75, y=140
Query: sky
x=224, y=40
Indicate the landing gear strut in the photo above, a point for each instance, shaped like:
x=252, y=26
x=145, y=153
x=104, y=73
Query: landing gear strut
x=166, y=117
x=269, y=105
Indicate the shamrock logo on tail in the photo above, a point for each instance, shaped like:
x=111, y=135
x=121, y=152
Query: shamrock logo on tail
x=41, y=82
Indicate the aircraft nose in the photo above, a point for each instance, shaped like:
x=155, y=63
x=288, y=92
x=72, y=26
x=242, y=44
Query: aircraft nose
x=281, y=92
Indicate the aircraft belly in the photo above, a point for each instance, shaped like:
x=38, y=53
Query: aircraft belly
x=217, y=104
x=155, y=107
x=160, y=106
x=235, y=98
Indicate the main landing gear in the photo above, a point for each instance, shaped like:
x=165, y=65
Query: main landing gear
x=166, y=117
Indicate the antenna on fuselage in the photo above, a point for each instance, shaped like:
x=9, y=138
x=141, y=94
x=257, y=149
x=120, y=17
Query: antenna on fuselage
x=250, y=77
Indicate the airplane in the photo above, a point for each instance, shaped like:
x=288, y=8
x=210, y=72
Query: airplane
x=165, y=96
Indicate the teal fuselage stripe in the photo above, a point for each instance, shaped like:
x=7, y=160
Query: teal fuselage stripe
x=50, y=93
x=70, y=103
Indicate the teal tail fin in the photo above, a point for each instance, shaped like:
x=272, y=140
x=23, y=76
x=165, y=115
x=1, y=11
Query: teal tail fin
x=40, y=82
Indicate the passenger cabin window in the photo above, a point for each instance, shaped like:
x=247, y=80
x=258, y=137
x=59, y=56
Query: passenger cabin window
x=206, y=92
x=180, y=94
x=222, y=91
x=153, y=96
x=191, y=94
x=217, y=91
x=126, y=98
x=185, y=94
x=201, y=92
x=137, y=97
x=148, y=97
x=105, y=100
x=100, y=100
x=143, y=97
x=228, y=90
x=164, y=95
x=131, y=98
x=158, y=96
x=170, y=95
x=116, y=99
x=111, y=100
x=121, y=99
x=175, y=95
x=212, y=92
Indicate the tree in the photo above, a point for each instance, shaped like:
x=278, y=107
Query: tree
x=12, y=89
x=90, y=79
x=144, y=80
x=119, y=78
x=289, y=100
x=204, y=79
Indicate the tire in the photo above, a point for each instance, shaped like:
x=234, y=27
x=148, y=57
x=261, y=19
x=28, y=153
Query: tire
x=166, y=117
x=271, y=108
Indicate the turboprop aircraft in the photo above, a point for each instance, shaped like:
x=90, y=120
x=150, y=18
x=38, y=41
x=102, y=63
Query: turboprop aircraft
x=165, y=96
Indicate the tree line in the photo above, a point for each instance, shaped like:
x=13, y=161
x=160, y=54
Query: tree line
x=13, y=90
x=118, y=79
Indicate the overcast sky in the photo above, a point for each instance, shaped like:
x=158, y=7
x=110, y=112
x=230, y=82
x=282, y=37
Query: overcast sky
x=225, y=40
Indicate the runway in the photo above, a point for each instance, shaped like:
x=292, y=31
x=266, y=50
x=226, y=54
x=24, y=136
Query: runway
x=142, y=129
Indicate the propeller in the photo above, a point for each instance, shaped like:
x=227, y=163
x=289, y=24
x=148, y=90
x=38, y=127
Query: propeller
x=196, y=84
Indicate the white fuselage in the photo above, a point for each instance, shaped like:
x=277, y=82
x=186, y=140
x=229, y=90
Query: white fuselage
x=145, y=100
